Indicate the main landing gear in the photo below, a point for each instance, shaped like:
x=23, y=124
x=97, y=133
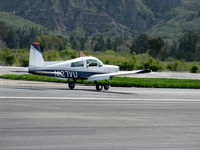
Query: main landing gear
x=100, y=86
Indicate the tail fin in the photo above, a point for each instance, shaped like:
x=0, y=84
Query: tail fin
x=35, y=58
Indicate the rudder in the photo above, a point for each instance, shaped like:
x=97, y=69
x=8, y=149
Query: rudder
x=35, y=57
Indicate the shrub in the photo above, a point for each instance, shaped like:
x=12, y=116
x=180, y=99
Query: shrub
x=69, y=54
x=173, y=66
x=194, y=69
x=152, y=64
x=107, y=62
x=9, y=60
x=24, y=62
x=155, y=66
x=126, y=66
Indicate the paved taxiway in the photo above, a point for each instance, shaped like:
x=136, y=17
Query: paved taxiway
x=47, y=116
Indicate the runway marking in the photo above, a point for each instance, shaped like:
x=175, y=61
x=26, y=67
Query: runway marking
x=102, y=98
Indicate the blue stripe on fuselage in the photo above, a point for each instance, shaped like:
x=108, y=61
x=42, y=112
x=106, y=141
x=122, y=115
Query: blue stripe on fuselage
x=64, y=73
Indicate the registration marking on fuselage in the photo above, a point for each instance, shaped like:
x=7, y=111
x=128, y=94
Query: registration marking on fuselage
x=66, y=73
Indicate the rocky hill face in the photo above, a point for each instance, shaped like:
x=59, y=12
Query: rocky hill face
x=94, y=16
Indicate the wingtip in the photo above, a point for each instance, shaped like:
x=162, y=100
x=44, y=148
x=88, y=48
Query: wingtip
x=145, y=71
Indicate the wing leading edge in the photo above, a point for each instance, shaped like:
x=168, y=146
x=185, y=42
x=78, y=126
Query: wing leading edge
x=119, y=73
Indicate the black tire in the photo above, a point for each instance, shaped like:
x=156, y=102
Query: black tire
x=99, y=87
x=71, y=85
x=106, y=87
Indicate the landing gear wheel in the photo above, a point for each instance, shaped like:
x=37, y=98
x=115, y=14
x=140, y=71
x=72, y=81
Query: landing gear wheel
x=98, y=87
x=71, y=85
x=106, y=86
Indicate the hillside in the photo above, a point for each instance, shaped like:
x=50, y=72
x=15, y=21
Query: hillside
x=180, y=19
x=16, y=21
x=166, y=18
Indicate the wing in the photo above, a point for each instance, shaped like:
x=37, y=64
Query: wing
x=107, y=76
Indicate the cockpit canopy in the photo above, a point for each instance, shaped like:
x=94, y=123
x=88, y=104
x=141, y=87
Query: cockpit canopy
x=93, y=63
x=90, y=62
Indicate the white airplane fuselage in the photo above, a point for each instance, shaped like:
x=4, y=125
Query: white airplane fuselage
x=79, y=68
x=89, y=68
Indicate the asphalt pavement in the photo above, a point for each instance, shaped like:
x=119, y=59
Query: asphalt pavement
x=48, y=116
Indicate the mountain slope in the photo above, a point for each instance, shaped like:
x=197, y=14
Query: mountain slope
x=16, y=21
x=180, y=19
x=111, y=17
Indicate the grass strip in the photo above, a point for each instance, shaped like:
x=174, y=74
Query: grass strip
x=120, y=81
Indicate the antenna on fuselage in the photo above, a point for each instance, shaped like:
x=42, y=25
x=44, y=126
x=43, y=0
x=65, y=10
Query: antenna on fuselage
x=82, y=54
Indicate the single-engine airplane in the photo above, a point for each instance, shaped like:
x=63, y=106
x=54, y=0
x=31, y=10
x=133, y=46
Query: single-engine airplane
x=84, y=68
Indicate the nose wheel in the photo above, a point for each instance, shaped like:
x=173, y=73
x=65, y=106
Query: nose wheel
x=71, y=85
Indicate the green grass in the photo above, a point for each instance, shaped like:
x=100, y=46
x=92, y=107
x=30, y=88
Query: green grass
x=120, y=81
x=156, y=82
x=30, y=77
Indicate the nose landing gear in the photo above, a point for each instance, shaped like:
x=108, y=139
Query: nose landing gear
x=71, y=84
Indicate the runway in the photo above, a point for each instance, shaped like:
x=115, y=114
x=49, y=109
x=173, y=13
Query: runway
x=48, y=116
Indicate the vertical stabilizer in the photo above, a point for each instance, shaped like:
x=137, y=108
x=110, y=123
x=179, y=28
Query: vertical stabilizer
x=35, y=59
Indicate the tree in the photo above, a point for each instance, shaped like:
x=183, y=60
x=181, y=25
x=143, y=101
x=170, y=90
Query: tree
x=187, y=49
x=3, y=30
x=117, y=42
x=74, y=43
x=2, y=45
x=140, y=44
x=173, y=48
x=93, y=40
x=11, y=39
x=83, y=41
x=155, y=46
x=18, y=37
x=108, y=43
x=100, y=45
x=52, y=42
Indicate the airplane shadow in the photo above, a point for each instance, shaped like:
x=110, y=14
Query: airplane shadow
x=66, y=89
x=103, y=91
